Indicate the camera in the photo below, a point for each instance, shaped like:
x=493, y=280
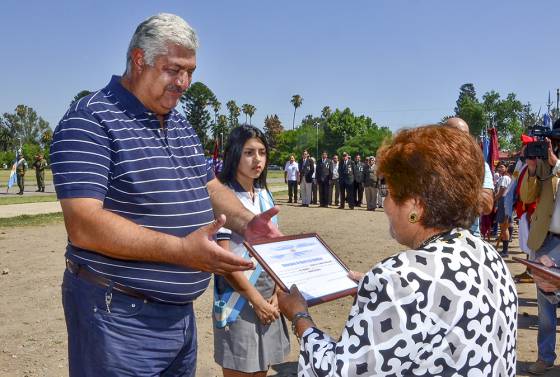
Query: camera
x=539, y=148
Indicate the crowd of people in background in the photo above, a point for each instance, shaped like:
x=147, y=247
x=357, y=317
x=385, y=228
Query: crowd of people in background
x=331, y=181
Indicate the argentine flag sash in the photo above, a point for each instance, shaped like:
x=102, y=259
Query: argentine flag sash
x=229, y=303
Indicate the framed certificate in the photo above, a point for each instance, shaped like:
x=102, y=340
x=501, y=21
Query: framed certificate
x=552, y=272
x=306, y=261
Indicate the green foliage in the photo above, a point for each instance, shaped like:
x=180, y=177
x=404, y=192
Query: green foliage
x=366, y=143
x=24, y=126
x=196, y=100
x=30, y=151
x=272, y=129
x=233, y=114
x=504, y=114
x=81, y=94
x=335, y=132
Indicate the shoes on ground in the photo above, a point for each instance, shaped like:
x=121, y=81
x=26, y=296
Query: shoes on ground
x=523, y=278
x=540, y=367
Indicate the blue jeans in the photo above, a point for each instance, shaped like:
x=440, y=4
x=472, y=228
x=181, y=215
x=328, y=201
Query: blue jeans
x=127, y=336
x=546, y=338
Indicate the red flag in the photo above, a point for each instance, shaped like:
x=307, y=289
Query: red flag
x=216, y=151
x=494, y=155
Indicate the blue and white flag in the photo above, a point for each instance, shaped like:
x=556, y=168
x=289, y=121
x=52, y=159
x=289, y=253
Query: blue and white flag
x=13, y=178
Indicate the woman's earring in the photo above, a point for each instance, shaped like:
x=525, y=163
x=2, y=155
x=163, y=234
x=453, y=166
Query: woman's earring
x=413, y=218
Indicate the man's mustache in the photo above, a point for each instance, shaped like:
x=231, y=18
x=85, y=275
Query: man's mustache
x=174, y=88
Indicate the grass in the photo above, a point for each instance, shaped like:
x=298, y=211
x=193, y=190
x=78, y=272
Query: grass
x=27, y=199
x=31, y=220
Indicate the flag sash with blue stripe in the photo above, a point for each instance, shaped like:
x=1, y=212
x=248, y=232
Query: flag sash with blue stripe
x=229, y=303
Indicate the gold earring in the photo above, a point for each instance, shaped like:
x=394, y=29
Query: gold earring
x=413, y=218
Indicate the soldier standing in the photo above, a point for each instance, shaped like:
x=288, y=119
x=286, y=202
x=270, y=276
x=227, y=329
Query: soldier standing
x=40, y=164
x=21, y=168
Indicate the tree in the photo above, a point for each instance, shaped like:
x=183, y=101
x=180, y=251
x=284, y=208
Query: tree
x=505, y=116
x=216, y=105
x=466, y=93
x=248, y=110
x=528, y=117
x=6, y=137
x=297, y=101
x=81, y=94
x=326, y=112
x=233, y=116
x=46, y=138
x=24, y=125
x=470, y=109
x=272, y=129
x=195, y=101
x=220, y=130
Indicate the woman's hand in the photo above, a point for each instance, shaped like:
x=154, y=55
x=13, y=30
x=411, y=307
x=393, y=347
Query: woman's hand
x=356, y=276
x=273, y=300
x=291, y=303
x=266, y=312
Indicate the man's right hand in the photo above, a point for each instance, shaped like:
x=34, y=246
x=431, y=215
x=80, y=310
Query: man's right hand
x=204, y=254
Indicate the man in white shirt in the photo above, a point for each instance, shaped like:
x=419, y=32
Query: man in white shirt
x=503, y=214
x=334, y=184
x=291, y=177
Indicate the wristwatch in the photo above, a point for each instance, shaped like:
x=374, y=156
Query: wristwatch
x=297, y=316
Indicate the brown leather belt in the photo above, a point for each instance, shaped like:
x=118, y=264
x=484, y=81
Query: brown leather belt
x=100, y=281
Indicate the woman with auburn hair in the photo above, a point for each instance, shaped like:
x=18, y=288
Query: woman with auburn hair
x=445, y=306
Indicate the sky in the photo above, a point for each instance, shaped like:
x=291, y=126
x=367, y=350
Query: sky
x=400, y=62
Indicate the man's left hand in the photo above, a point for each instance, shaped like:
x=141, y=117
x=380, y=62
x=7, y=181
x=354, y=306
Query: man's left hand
x=261, y=226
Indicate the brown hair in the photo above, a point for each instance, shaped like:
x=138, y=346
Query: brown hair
x=441, y=167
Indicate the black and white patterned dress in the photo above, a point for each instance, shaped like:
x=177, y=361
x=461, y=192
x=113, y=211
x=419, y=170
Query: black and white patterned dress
x=446, y=309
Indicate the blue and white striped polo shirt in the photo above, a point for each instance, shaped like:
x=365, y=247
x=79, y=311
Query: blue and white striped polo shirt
x=108, y=146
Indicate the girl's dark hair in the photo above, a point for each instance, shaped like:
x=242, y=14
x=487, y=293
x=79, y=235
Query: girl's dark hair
x=234, y=147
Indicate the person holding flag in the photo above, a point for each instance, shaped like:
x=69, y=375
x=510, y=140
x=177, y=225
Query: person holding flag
x=21, y=168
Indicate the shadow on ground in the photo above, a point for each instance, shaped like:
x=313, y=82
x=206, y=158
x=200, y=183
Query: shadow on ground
x=284, y=370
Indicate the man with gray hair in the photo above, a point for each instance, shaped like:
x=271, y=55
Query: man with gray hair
x=141, y=207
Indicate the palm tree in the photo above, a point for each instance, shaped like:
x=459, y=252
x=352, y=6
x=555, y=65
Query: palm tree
x=233, y=113
x=326, y=112
x=297, y=100
x=251, y=111
x=245, y=110
x=248, y=110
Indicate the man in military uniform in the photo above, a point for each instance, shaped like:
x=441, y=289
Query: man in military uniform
x=21, y=168
x=323, y=175
x=370, y=183
x=346, y=178
x=358, y=180
x=40, y=164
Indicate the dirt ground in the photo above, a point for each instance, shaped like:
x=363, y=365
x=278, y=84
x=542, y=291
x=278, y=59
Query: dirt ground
x=32, y=329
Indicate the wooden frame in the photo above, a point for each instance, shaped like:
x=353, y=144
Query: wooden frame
x=315, y=301
x=552, y=272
